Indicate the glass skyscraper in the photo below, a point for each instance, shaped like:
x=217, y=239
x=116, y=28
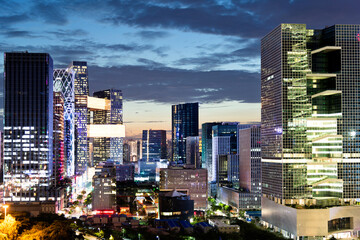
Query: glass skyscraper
x=81, y=91
x=185, y=123
x=206, y=137
x=28, y=126
x=64, y=84
x=108, y=148
x=310, y=120
x=153, y=145
x=59, y=165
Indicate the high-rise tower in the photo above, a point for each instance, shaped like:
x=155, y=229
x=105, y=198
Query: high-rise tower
x=64, y=84
x=310, y=128
x=153, y=145
x=108, y=148
x=81, y=90
x=28, y=126
x=185, y=123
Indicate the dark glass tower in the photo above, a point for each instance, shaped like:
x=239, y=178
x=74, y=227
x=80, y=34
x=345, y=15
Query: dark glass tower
x=28, y=126
x=206, y=138
x=153, y=145
x=185, y=123
x=81, y=87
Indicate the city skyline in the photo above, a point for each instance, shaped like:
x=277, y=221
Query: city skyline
x=161, y=53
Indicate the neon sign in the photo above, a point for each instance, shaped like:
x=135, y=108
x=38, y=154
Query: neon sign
x=358, y=37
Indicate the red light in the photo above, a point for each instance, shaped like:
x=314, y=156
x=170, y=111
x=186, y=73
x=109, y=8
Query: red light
x=108, y=211
x=358, y=37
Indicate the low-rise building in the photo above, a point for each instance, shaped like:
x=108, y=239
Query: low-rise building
x=194, y=181
x=175, y=205
x=204, y=227
x=223, y=227
x=104, y=192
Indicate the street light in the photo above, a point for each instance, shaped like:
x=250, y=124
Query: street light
x=5, y=207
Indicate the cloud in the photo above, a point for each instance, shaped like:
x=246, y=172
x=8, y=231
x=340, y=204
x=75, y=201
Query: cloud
x=11, y=33
x=50, y=12
x=151, y=35
x=170, y=85
x=247, y=19
x=247, y=53
x=11, y=19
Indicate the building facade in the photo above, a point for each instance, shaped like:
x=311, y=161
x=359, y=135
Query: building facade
x=64, y=84
x=194, y=181
x=59, y=165
x=107, y=148
x=193, y=152
x=28, y=126
x=154, y=145
x=309, y=132
x=250, y=167
x=185, y=123
x=206, y=137
x=81, y=91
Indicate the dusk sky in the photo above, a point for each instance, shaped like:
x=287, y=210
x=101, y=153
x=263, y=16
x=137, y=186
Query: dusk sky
x=163, y=52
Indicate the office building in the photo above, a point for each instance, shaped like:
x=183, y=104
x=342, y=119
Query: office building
x=250, y=168
x=185, y=123
x=175, y=205
x=81, y=91
x=153, y=145
x=193, y=152
x=126, y=152
x=224, y=142
x=58, y=139
x=193, y=181
x=64, y=84
x=206, y=137
x=28, y=126
x=105, y=118
x=104, y=194
x=125, y=173
x=309, y=131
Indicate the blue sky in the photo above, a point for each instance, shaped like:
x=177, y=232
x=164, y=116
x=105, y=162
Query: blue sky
x=164, y=52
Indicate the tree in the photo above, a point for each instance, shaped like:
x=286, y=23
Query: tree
x=9, y=228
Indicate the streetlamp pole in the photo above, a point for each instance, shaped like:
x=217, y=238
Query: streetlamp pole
x=5, y=207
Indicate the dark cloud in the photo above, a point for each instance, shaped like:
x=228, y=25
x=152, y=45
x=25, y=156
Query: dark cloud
x=18, y=34
x=151, y=35
x=249, y=19
x=11, y=19
x=213, y=60
x=169, y=85
x=150, y=63
x=50, y=12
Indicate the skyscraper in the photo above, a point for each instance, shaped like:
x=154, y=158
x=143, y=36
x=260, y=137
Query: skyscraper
x=108, y=148
x=59, y=166
x=224, y=142
x=192, y=152
x=206, y=137
x=64, y=84
x=309, y=133
x=153, y=145
x=249, y=167
x=185, y=123
x=81, y=90
x=28, y=126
